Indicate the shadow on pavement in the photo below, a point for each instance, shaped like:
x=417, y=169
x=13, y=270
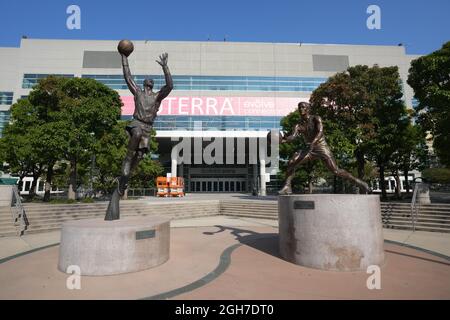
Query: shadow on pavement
x=265, y=242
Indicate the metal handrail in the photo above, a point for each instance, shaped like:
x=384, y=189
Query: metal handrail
x=18, y=213
x=414, y=206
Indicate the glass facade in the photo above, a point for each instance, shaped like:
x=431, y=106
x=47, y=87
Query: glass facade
x=30, y=79
x=214, y=123
x=4, y=119
x=6, y=98
x=218, y=83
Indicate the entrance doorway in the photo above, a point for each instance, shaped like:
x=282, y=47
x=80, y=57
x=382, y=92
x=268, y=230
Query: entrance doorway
x=218, y=185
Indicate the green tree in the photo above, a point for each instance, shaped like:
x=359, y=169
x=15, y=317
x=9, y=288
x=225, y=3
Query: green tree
x=342, y=103
x=110, y=151
x=437, y=175
x=312, y=172
x=411, y=154
x=146, y=173
x=390, y=119
x=21, y=146
x=61, y=122
x=429, y=76
x=365, y=105
x=148, y=169
x=88, y=110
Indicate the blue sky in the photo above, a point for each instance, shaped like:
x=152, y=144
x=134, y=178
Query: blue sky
x=422, y=26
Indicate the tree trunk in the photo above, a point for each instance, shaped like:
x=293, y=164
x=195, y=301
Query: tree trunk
x=334, y=184
x=71, y=194
x=405, y=174
x=20, y=183
x=398, y=190
x=48, y=183
x=382, y=183
x=310, y=186
x=360, y=163
x=32, y=192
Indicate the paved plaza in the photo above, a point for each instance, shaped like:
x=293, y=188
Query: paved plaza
x=230, y=258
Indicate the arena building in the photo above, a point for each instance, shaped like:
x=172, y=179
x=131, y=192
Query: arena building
x=222, y=91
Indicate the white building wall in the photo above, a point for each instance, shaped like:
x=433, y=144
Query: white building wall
x=196, y=58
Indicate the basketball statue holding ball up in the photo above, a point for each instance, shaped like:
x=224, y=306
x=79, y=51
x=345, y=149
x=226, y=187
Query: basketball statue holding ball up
x=147, y=103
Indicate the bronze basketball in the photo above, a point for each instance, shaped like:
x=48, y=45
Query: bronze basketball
x=126, y=47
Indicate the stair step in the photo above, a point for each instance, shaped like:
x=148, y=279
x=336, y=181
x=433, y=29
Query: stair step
x=409, y=209
x=8, y=234
x=225, y=211
x=431, y=216
x=45, y=221
x=154, y=208
x=57, y=225
x=422, y=207
x=253, y=216
x=33, y=220
x=423, y=224
x=418, y=228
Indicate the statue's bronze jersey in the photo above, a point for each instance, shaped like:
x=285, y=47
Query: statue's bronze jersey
x=146, y=106
x=309, y=130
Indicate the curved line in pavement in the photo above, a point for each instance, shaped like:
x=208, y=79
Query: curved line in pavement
x=3, y=260
x=224, y=263
x=434, y=253
x=225, y=260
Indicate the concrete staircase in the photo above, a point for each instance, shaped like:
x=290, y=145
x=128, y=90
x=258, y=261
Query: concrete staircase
x=250, y=209
x=49, y=217
x=7, y=227
x=430, y=217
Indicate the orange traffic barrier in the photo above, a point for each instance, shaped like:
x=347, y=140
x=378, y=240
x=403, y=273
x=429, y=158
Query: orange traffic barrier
x=176, y=187
x=162, y=186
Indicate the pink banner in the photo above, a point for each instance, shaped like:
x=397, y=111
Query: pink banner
x=217, y=106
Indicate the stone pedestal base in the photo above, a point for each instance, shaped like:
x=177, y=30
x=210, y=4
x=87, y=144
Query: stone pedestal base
x=337, y=232
x=6, y=195
x=423, y=196
x=101, y=247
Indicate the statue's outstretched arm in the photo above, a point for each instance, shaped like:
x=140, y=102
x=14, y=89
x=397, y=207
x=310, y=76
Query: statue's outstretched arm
x=165, y=90
x=293, y=136
x=127, y=75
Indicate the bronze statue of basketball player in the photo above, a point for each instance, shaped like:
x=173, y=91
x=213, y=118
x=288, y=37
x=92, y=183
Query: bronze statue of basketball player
x=311, y=127
x=147, y=104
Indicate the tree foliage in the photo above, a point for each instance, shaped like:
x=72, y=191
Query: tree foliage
x=364, y=113
x=429, y=76
x=68, y=129
x=437, y=175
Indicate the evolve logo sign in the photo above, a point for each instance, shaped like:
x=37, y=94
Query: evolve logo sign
x=221, y=106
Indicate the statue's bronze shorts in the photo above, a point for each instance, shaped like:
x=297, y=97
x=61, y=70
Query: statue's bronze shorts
x=144, y=130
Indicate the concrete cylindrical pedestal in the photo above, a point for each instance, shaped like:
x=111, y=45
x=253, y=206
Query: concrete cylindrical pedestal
x=6, y=195
x=340, y=232
x=101, y=247
x=423, y=196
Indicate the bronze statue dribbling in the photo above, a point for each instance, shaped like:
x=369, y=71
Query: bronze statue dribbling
x=147, y=104
x=311, y=127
